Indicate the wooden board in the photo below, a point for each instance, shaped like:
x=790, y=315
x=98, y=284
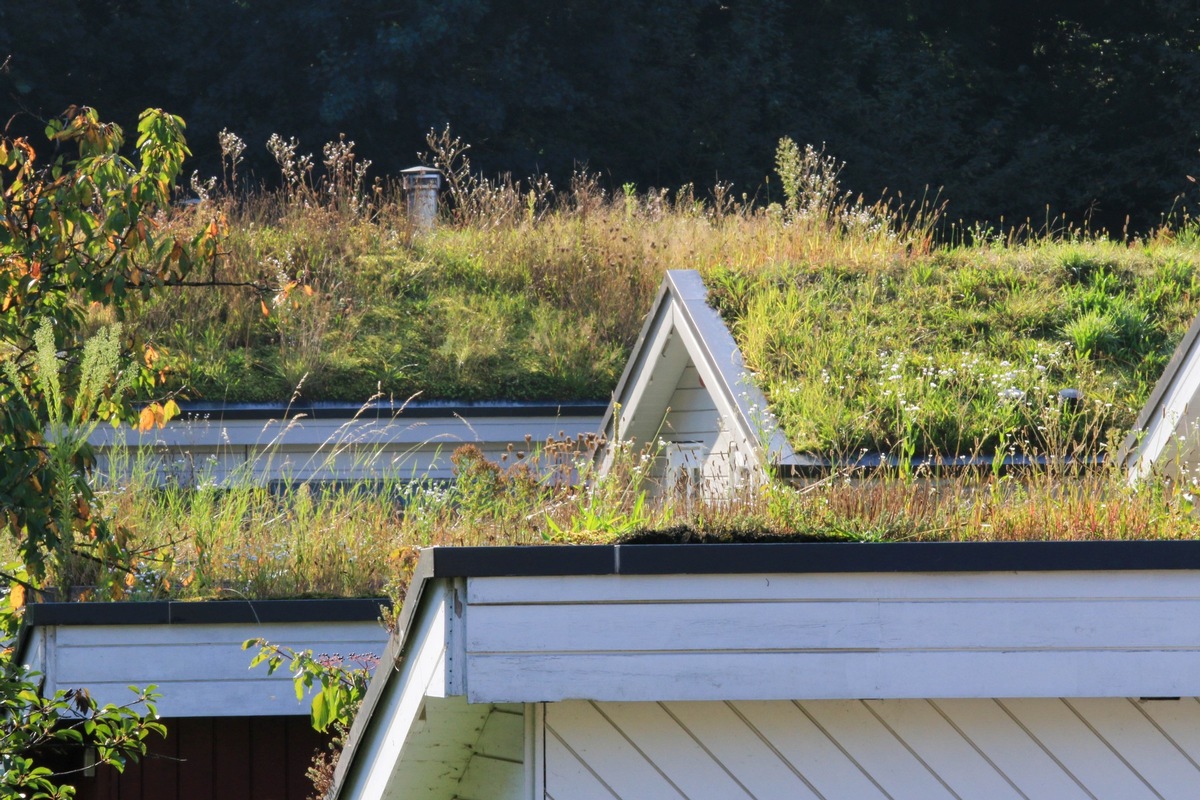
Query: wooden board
x=866, y=750
x=696, y=637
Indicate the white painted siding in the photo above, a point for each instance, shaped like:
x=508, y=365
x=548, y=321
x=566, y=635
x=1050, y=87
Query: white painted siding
x=1170, y=441
x=188, y=662
x=322, y=450
x=1057, y=748
x=695, y=637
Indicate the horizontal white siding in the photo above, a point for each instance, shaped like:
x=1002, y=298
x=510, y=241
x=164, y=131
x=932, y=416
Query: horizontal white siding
x=193, y=664
x=833, y=636
x=191, y=451
x=1116, y=748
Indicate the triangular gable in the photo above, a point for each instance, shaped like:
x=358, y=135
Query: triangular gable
x=685, y=391
x=1165, y=440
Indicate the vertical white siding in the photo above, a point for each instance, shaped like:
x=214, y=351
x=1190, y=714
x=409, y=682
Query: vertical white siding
x=900, y=749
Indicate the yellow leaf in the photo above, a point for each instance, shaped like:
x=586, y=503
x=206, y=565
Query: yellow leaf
x=16, y=597
x=170, y=411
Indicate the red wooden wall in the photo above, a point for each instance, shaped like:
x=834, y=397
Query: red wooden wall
x=216, y=758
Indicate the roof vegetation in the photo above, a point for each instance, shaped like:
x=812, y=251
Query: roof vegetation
x=869, y=326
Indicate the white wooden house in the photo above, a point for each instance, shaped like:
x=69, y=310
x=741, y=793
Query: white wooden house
x=232, y=732
x=337, y=442
x=921, y=670
x=1165, y=440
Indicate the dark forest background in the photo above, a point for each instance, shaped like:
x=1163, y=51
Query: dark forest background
x=1009, y=106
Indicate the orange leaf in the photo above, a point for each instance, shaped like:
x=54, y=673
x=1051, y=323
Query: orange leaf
x=146, y=419
x=308, y=290
x=151, y=355
x=266, y=311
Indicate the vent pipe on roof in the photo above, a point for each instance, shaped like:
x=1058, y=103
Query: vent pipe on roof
x=421, y=186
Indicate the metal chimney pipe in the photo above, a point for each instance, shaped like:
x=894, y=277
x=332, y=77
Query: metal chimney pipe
x=421, y=186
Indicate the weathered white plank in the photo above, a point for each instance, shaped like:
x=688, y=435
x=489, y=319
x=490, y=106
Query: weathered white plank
x=964, y=769
x=297, y=634
x=872, y=749
x=567, y=777
x=1014, y=752
x=1178, y=720
x=739, y=750
x=832, y=675
x=700, y=426
x=880, y=587
x=828, y=768
x=671, y=747
x=697, y=401
x=606, y=752
x=890, y=764
x=844, y=625
x=202, y=698
x=1138, y=742
x=1078, y=749
x=380, y=751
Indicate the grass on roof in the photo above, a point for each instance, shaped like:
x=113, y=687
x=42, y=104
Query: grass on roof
x=864, y=332
x=242, y=540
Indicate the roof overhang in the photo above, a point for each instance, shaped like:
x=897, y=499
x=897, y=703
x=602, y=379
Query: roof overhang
x=191, y=651
x=808, y=621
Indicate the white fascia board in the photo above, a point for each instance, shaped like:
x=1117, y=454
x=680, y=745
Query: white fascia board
x=417, y=667
x=713, y=345
x=1168, y=413
x=190, y=664
x=835, y=636
x=655, y=331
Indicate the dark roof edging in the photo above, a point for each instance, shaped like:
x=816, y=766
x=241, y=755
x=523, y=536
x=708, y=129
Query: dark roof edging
x=809, y=557
x=185, y=612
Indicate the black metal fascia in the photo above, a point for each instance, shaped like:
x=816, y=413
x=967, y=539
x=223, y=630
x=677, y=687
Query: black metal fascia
x=807, y=558
x=185, y=612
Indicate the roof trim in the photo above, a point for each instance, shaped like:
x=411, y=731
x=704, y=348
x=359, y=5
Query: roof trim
x=1153, y=407
x=203, y=612
x=686, y=290
x=807, y=558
